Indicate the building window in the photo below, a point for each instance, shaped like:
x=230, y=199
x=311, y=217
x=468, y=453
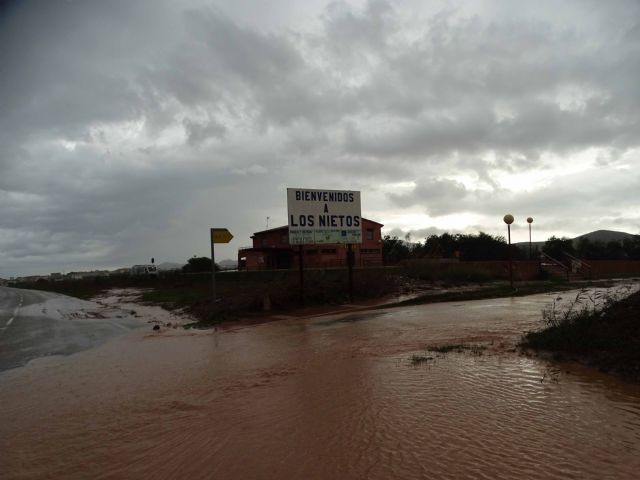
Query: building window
x=370, y=251
x=328, y=251
x=369, y=234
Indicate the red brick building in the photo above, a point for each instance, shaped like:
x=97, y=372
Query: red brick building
x=271, y=250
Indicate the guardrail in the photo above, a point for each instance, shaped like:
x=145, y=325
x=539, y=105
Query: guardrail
x=557, y=263
x=577, y=263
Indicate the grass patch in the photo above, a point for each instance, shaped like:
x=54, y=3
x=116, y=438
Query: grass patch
x=444, y=349
x=447, y=348
x=420, y=359
x=458, y=348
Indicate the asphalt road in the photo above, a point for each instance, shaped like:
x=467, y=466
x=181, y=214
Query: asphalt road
x=34, y=324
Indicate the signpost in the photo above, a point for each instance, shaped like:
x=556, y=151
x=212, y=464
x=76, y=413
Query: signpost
x=218, y=235
x=319, y=217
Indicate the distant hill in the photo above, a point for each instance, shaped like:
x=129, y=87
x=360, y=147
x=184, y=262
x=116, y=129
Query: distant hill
x=605, y=236
x=597, y=236
x=228, y=264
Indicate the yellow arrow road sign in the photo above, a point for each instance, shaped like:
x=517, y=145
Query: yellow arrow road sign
x=220, y=235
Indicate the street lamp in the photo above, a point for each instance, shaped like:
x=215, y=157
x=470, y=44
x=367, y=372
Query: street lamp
x=529, y=221
x=508, y=219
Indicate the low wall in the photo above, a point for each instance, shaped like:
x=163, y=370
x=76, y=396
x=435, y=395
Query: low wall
x=614, y=268
x=524, y=270
x=439, y=269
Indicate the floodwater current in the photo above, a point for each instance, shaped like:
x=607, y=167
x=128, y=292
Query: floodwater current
x=332, y=397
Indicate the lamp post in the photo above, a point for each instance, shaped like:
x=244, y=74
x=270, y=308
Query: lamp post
x=529, y=221
x=508, y=219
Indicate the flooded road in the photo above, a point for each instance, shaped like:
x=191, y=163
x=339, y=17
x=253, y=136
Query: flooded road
x=325, y=397
x=36, y=324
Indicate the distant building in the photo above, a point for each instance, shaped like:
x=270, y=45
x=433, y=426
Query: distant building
x=271, y=250
x=148, y=270
x=91, y=274
x=32, y=278
x=120, y=271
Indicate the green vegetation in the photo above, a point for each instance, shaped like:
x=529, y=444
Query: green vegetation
x=198, y=265
x=627, y=249
x=460, y=246
x=484, y=247
x=601, y=328
x=586, y=249
x=557, y=247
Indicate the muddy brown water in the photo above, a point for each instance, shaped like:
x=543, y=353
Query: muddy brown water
x=322, y=398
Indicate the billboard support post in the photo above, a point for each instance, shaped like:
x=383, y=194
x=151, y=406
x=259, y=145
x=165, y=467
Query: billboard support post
x=213, y=274
x=301, y=269
x=350, y=266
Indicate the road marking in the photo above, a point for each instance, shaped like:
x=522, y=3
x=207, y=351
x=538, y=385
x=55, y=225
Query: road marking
x=15, y=315
x=122, y=327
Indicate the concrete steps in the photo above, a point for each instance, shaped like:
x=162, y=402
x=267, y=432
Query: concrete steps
x=558, y=272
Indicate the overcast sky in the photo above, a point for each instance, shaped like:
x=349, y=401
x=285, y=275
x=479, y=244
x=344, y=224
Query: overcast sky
x=128, y=128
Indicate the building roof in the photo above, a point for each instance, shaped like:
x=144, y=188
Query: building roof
x=286, y=227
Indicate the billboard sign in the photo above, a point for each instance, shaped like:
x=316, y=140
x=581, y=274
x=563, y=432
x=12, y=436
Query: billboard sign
x=323, y=216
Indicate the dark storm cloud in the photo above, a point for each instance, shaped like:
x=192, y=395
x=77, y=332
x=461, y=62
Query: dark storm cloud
x=130, y=126
x=438, y=196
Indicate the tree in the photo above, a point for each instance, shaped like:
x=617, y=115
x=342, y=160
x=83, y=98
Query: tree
x=198, y=265
x=632, y=247
x=590, y=250
x=485, y=247
x=394, y=249
x=557, y=247
x=468, y=247
x=614, y=251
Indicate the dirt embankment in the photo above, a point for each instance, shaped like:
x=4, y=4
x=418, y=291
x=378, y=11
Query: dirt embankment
x=608, y=339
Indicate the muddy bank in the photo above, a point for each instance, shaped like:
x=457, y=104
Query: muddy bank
x=129, y=300
x=607, y=339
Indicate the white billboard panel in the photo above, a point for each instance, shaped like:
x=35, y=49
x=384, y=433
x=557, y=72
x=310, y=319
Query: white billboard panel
x=323, y=216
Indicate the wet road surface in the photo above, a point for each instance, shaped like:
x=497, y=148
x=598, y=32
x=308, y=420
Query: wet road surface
x=321, y=398
x=35, y=324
